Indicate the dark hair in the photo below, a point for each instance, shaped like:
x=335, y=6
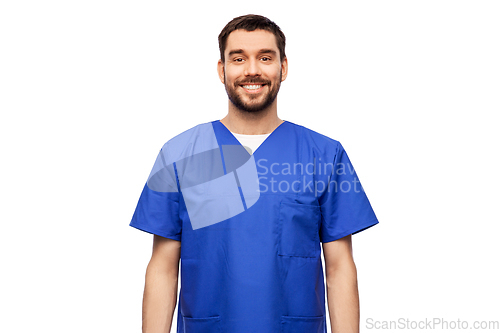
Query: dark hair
x=250, y=23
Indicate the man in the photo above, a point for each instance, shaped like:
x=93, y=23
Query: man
x=248, y=225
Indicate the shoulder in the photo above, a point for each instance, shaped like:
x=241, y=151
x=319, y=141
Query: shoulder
x=194, y=140
x=316, y=140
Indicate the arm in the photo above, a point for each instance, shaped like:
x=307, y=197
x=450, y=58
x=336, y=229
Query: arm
x=160, y=292
x=342, y=286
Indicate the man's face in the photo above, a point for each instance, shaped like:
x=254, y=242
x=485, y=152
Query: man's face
x=252, y=72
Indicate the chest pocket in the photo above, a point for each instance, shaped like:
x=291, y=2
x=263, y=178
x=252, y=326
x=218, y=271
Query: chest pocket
x=298, y=230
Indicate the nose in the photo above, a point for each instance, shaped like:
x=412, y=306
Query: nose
x=252, y=68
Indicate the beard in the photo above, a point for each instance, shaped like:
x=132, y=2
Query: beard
x=255, y=103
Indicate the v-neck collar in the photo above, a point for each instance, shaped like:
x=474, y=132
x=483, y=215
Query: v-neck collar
x=229, y=138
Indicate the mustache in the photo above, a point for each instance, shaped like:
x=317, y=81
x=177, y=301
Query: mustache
x=253, y=81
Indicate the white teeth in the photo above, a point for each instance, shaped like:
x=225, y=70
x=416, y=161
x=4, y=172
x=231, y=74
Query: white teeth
x=252, y=87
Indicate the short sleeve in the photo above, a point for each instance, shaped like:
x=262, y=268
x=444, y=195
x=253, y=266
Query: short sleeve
x=157, y=211
x=345, y=208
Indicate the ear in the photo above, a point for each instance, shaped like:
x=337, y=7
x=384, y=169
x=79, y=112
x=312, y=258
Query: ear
x=284, y=69
x=220, y=71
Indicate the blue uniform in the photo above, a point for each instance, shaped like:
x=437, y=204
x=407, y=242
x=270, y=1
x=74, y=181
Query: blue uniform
x=251, y=225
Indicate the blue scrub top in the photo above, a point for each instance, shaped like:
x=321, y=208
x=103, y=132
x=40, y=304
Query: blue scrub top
x=251, y=225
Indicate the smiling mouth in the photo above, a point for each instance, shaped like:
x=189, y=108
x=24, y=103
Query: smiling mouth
x=252, y=88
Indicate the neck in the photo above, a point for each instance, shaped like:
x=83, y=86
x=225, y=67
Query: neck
x=252, y=123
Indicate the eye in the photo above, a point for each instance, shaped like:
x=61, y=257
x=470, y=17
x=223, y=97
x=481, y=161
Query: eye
x=265, y=59
x=238, y=59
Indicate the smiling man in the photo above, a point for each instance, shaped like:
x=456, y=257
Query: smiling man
x=244, y=203
x=254, y=70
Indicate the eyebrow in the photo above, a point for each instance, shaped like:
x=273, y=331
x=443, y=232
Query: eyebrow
x=240, y=51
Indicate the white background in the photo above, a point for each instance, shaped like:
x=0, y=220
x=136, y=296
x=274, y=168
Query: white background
x=90, y=91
